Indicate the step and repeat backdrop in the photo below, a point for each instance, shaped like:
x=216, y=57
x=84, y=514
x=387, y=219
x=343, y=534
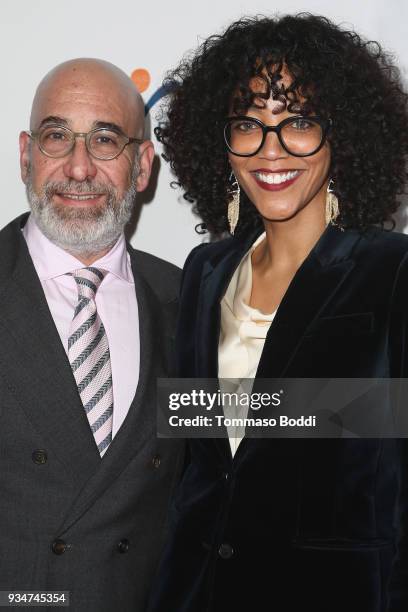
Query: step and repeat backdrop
x=145, y=39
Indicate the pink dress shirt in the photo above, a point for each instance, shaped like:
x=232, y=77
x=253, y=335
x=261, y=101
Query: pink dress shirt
x=115, y=300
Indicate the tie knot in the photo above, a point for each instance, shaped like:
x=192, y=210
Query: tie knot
x=88, y=281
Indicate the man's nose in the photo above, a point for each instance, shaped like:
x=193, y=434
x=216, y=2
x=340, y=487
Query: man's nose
x=79, y=164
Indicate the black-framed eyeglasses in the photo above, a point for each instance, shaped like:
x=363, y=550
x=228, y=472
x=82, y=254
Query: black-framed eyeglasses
x=101, y=143
x=300, y=135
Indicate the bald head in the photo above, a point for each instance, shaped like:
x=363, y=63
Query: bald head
x=92, y=81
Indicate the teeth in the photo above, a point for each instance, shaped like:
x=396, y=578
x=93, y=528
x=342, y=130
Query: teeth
x=273, y=178
x=71, y=196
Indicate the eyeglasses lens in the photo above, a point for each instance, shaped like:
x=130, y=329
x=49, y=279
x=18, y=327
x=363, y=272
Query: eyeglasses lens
x=55, y=141
x=105, y=144
x=302, y=136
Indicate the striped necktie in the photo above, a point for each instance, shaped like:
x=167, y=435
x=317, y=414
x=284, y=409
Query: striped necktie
x=88, y=353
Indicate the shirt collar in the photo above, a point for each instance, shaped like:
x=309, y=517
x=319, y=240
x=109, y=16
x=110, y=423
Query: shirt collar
x=51, y=261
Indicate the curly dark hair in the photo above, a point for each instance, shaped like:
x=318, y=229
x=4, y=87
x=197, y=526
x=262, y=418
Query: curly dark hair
x=335, y=72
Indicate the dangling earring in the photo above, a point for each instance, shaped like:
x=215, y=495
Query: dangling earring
x=233, y=204
x=332, y=204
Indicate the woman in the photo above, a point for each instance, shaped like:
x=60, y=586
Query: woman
x=291, y=133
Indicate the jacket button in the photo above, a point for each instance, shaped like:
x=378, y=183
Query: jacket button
x=225, y=551
x=59, y=547
x=156, y=461
x=123, y=546
x=39, y=457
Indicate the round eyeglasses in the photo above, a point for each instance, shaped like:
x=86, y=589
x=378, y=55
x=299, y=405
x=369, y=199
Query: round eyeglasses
x=300, y=136
x=101, y=143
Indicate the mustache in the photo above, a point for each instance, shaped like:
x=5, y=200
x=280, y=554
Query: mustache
x=83, y=187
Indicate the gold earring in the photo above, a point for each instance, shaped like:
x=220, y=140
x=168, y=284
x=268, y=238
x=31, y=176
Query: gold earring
x=233, y=204
x=332, y=204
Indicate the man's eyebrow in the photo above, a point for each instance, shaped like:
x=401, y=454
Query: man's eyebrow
x=53, y=119
x=108, y=126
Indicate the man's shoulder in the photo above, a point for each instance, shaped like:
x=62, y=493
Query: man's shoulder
x=12, y=242
x=162, y=276
x=12, y=230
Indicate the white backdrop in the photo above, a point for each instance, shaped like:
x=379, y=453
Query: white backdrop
x=35, y=35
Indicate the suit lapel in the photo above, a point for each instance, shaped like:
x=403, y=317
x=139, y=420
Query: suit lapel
x=140, y=422
x=35, y=364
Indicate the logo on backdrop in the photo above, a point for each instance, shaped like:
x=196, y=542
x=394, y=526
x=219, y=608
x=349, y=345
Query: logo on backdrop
x=141, y=78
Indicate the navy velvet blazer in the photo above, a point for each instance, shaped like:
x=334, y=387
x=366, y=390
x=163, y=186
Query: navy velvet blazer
x=297, y=524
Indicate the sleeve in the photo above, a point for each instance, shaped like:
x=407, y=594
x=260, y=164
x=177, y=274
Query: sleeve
x=187, y=263
x=189, y=295
x=398, y=353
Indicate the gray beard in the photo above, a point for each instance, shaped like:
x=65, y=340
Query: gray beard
x=82, y=231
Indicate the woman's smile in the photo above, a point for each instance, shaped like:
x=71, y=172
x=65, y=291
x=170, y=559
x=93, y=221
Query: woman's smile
x=275, y=180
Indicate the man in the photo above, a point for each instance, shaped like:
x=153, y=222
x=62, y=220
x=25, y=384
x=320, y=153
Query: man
x=85, y=330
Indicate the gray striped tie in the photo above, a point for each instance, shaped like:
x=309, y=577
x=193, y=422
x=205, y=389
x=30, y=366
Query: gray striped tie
x=88, y=353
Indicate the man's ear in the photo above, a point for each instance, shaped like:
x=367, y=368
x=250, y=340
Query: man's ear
x=146, y=156
x=24, y=143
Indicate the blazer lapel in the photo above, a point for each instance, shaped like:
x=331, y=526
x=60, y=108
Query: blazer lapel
x=216, y=275
x=140, y=422
x=314, y=284
x=35, y=364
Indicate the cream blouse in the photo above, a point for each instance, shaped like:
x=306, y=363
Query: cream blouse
x=242, y=337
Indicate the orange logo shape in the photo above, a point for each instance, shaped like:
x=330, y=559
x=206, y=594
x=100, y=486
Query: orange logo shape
x=141, y=78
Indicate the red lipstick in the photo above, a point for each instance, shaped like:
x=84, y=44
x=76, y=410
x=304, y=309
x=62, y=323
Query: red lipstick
x=274, y=186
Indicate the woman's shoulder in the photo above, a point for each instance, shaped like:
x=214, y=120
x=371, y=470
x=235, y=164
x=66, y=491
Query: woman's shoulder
x=397, y=240
x=209, y=251
x=387, y=247
x=215, y=251
x=386, y=252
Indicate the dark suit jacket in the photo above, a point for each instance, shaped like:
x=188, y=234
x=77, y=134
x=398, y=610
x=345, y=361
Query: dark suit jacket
x=297, y=524
x=69, y=520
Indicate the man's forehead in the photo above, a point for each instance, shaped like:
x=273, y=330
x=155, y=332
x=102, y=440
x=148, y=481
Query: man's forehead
x=84, y=112
x=83, y=93
x=89, y=92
